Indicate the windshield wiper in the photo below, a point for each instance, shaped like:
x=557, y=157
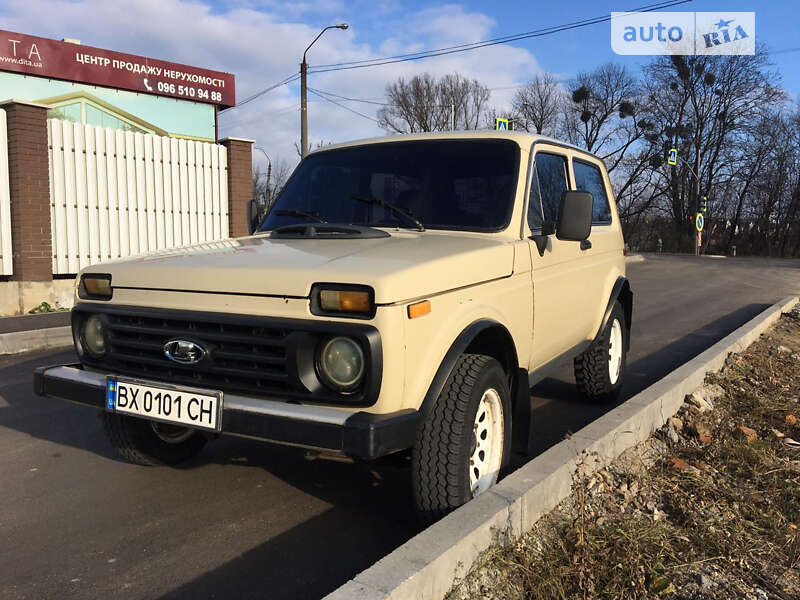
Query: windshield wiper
x=395, y=209
x=300, y=213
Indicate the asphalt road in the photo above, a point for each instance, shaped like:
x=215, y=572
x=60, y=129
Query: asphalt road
x=252, y=520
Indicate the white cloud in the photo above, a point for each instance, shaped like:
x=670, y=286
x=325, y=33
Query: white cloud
x=262, y=42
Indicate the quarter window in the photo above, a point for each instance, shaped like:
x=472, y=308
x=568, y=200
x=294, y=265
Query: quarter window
x=548, y=184
x=589, y=178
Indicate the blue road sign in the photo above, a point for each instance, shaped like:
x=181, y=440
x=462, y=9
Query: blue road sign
x=501, y=124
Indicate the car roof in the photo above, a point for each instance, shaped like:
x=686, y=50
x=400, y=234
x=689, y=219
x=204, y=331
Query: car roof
x=522, y=138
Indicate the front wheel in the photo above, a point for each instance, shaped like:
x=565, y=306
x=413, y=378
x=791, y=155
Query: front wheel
x=600, y=370
x=149, y=443
x=465, y=439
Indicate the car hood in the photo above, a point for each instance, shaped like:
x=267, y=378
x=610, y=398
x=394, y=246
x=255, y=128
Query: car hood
x=403, y=266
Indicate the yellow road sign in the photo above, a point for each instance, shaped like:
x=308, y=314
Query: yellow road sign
x=672, y=159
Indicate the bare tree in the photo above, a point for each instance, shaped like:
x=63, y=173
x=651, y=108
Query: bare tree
x=259, y=182
x=424, y=103
x=600, y=115
x=281, y=171
x=705, y=107
x=537, y=106
x=268, y=184
x=311, y=146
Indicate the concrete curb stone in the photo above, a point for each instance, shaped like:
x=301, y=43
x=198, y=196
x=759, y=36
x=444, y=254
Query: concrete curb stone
x=428, y=564
x=36, y=339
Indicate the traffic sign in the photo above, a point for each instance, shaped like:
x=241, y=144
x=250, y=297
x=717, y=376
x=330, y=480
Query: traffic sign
x=699, y=221
x=672, y=159
x=501, y=124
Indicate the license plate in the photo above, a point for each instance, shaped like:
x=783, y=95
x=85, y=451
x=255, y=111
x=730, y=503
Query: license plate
x=162, y=402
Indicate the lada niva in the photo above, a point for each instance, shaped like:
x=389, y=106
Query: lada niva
x=402, y=295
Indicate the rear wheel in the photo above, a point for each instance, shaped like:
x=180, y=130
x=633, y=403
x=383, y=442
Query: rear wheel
x=149, y=443
x=599, y=372
x=464, y=441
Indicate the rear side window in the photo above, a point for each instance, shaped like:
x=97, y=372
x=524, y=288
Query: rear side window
x=548, y=184
x=589, y=178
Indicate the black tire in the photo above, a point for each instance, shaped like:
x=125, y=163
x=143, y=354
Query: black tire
x=591, y=368
x=440, y=457
x=137, y=442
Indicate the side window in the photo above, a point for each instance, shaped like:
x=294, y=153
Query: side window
x=549, y=182
x=588, y=178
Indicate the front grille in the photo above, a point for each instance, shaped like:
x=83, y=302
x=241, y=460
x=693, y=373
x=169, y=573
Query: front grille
x=257, y=356
x=241, y=357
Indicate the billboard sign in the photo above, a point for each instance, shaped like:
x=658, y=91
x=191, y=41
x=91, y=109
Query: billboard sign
x=43, y=57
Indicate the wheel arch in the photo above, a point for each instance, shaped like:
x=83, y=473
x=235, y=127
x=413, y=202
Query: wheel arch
x=489, y=337
x=622, y=292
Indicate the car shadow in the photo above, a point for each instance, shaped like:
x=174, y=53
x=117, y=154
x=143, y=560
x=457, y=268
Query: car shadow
x=370, y=515
x=368, y=506
x=50, y=419
x=559, y=409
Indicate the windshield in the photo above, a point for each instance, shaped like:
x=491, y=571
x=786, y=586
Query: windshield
x=443, y=184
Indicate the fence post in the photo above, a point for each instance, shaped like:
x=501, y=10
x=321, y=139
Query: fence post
x=240, y=183
x=29, y=184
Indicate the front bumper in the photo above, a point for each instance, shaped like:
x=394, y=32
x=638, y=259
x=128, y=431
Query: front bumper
x=353, y=433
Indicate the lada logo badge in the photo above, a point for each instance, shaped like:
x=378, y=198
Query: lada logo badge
x=184, y=352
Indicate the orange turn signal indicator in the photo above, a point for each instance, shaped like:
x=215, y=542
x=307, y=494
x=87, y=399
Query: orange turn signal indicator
x=345, y=301
x=95, y=286
x=419, y=309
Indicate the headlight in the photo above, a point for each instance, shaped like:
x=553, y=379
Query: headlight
x=340, y=363
x=93, y=336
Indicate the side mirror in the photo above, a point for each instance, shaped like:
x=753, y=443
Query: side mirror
x=575, y=216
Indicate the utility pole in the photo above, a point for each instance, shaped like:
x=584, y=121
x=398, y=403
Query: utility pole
x=303, y=93
x=452, y=117
x=697, y=196
x=303, y=109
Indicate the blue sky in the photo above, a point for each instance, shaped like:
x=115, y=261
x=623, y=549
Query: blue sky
x=261, y=41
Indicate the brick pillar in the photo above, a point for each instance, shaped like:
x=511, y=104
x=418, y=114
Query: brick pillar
x=240, y=183
x=29, y=183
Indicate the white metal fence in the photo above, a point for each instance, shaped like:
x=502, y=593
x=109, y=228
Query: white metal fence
x=5, y=201
x=117, y=193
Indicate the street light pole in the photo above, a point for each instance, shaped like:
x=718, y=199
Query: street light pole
x=267, y=193
x=303, y=94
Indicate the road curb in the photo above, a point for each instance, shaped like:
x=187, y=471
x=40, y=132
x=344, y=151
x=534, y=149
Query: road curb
x=36, y=339
x=426, y=566
x=634, y=258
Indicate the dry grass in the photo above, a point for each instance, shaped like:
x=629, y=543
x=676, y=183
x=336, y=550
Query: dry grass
x=680, y=516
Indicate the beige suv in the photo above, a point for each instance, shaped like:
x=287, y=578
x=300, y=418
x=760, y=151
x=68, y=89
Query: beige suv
x=402, y=295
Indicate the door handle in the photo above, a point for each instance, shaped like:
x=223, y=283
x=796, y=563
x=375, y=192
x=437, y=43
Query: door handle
x=586, y=244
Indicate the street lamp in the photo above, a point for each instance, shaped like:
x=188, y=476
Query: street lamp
x=267, y=194
x=303, y=103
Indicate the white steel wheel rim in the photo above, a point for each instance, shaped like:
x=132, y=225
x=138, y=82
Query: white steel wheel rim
x=487, y=443
x=615, y=351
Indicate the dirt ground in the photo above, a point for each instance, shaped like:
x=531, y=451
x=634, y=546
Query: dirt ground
x=708, y=507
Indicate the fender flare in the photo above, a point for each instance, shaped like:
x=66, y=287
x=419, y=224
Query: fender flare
x=457, y=348
x=518, y=423
x=622, y=292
